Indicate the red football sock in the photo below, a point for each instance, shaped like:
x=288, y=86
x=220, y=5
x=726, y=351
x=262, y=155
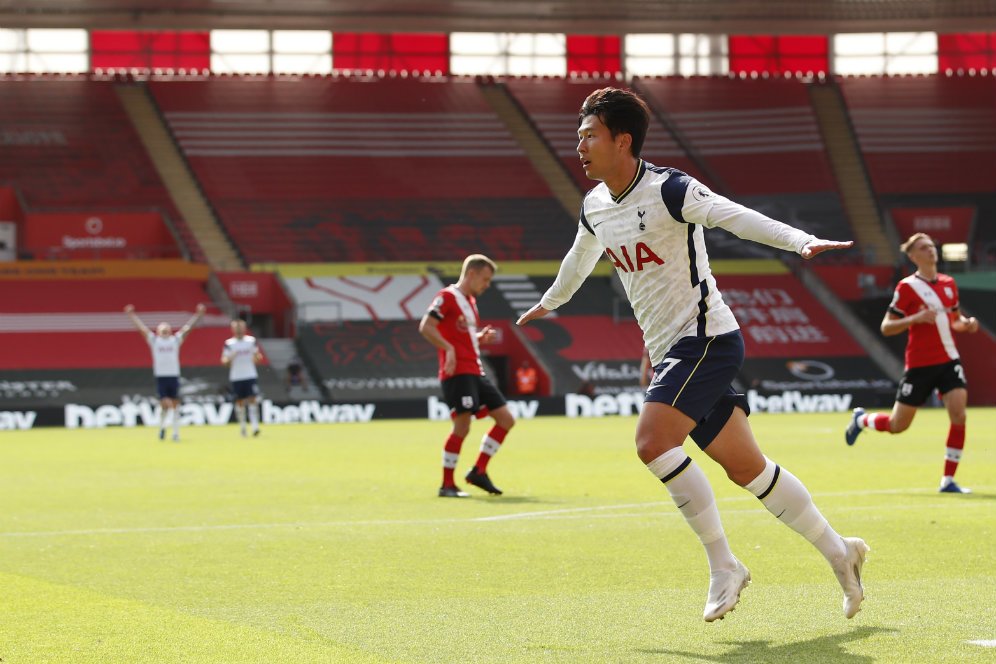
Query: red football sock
x=489, y=447
x=956, y=443
x=451, y=452
x=877, y=421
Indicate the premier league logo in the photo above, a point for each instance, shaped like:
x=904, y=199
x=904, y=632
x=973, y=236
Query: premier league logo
x=700, y=193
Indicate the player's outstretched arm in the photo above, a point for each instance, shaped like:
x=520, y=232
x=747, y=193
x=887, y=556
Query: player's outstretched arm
x=193, y=320
x=537, y=311
x=819, y=246
x=130, y=310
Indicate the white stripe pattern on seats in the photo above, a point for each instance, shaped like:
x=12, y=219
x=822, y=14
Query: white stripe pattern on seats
x=212, y=134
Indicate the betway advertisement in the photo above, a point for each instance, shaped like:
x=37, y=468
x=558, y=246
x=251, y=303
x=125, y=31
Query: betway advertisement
x=807, y=384
x=146, y=413
x=105, y=235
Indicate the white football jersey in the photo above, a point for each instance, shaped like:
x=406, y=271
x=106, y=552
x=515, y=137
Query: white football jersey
x=652, y=233
x=240, y=353
x=165, y=354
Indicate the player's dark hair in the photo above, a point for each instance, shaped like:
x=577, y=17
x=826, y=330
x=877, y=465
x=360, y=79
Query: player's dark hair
x=622, y=112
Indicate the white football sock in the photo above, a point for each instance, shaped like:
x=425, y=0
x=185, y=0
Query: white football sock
x=787, y=498
x=254, y=416
x=691, y=492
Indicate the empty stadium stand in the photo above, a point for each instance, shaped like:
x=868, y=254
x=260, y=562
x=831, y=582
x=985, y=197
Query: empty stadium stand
x=69, y=146
x=553, y=104
x=347, y=169
x=925, y=134
x=761, y=140
x=759, y=135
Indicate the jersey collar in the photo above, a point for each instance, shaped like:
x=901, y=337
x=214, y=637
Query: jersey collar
x=640, y=170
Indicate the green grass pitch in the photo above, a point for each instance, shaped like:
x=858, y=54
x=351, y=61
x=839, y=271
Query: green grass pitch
x=326, y=543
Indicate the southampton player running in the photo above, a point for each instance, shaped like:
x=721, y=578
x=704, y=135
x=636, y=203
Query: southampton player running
x=649, y=222
x=926, y=304
x=241, y=355
x=165, y=348
x=453, y=326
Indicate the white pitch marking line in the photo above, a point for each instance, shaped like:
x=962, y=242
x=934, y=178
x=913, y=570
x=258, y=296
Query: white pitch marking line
x=985, y=643
x=571, y=510
x=567, y=513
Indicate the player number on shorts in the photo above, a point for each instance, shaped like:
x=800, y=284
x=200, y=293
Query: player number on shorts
x=961, y=372
x=668, y=364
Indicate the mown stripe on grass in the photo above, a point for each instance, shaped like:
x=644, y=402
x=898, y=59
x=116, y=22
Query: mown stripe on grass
x=562, y=514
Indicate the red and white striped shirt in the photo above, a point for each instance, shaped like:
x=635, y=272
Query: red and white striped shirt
x=928, y=344
x=458, y=324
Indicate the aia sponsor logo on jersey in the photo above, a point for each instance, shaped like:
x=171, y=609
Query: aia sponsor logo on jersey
x=635, y=259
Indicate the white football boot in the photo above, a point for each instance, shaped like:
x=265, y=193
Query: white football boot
x=724, y=591
x=848, y=572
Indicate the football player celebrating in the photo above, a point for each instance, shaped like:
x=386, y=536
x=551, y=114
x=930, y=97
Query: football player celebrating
x=926, y=304
x=649, y=222
x=165, y=347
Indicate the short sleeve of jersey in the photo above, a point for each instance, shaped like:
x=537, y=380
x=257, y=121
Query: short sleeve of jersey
x=903, y=301
x=957, y=300
x=442, y=306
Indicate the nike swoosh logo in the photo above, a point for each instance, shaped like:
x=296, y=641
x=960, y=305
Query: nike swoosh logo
x=598, y=224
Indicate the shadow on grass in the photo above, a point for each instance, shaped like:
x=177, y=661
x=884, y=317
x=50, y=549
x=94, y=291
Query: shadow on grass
x=827, y=648
x=936, y=495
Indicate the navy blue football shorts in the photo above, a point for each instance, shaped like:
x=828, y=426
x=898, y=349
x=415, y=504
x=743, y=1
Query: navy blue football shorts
x=168, y=386
x=245, y=389
x=696, y=377
x=468, y=393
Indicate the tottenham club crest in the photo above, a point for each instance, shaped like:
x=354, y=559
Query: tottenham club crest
x=640, y=213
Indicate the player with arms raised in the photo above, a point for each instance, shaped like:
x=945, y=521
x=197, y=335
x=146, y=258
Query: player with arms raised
x=453, y=326
x=649, y=222
x=165, y=347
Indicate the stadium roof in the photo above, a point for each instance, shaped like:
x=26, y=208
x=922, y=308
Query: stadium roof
x=565, y=16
